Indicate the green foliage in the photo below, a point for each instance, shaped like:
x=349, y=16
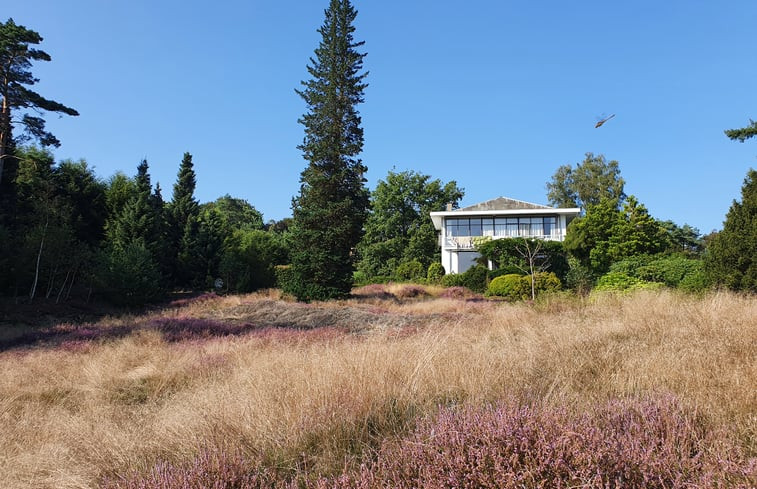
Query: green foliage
x=410, y=270
x=474, y=279
x=236, y=213
x=129, y=275
x=620, y=282
x=16, y=57
x=606, y=234
x=284, y=277
x=579, y=278
x=510, y=286
x=516, y=287
x=49, y=243
x=683, y=239
x=545, y=282
x=512, y=254
x=182, y=216
x=744, y=133
x=435, y=273
x=399, y=228
x=331, y=209
x=731, y=258
x=592, y=181
x=250, y=258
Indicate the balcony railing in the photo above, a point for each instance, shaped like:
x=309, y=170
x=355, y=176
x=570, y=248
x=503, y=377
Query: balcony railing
x=467, y=242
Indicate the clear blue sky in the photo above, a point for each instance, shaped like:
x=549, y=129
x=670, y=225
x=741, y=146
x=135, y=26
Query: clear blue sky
x=493, y=94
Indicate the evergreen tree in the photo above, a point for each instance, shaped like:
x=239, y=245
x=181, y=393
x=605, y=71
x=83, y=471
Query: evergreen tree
x=16, y=57
x=183, y=214
x=332, y=205
x=731, y=257
x=743, y=133
x=136, y=222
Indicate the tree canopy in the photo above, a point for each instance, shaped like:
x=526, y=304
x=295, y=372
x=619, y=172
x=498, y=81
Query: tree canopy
x=16, y=57
x=587, y=184
x=399, y=228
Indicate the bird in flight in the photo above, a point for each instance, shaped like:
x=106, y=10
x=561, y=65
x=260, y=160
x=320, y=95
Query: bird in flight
x=602, y=121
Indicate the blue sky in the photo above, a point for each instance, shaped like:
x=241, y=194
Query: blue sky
x=492, y=94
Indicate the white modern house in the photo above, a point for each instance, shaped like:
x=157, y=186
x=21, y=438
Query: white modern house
x=498, y=218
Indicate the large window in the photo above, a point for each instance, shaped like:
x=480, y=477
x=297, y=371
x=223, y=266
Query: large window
x=503, y=227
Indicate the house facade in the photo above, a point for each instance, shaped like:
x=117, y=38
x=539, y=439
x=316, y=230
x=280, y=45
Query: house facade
x=498, y=218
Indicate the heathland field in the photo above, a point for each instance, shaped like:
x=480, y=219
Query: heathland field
x=401, y=386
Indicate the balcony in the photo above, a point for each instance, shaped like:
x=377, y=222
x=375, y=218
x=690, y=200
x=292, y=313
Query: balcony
x=468, y=242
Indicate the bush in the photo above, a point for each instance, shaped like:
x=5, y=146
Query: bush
x=410, y=270
x=284, y=277
x=435, y=273
x=545, y=282
x=492, y=274
x=515, y=287
x=579, y=276
x=130, y=276
x=671, y=270
x=620, y=282
x=697, y=281
x=510, y=286
x=474, y=279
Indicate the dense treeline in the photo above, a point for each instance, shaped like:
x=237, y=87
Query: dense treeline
x=67, y=233
x=73, y=234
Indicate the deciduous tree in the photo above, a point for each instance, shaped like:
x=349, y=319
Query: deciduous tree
x=591, y=181
x=399, y=228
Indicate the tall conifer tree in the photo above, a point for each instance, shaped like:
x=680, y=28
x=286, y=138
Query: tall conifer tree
x=332, y=206
x=184, y=212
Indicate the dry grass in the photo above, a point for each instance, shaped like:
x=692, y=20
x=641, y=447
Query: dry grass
x=355, y=372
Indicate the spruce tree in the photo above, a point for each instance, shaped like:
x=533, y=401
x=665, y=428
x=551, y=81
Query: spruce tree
x=332, y=206
x=184, y=211
x=731, y=257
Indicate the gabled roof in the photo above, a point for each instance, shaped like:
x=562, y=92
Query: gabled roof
x=503, y=204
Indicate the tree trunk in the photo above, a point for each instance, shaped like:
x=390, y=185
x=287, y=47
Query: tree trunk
x=62, y=287
x=36, y=271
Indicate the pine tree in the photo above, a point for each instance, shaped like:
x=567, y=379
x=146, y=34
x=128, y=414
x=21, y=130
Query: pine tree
x=332, y=206
x=731, y=257
x=16, y=56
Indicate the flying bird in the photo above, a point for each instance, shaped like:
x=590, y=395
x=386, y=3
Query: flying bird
x=602, y=121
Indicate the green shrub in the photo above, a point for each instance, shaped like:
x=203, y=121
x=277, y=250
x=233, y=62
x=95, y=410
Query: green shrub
x=284, y=277
x=507, y=270
x=510, y=286
x=474, y=279
x=579, y=276
x=435, y=273
x=630, y=265
x=620, y=282
x=696, y=281
x=544, y=282
x=670, y=270
x=130, y=276
x=410, y=270
x=453, y=280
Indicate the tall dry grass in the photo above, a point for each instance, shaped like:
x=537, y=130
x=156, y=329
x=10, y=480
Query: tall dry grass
x=322, y=399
